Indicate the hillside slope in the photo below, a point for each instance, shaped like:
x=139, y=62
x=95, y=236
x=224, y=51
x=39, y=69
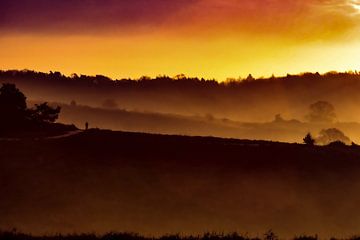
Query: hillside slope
x=102, y=180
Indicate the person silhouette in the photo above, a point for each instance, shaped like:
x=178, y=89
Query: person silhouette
x=86, y=126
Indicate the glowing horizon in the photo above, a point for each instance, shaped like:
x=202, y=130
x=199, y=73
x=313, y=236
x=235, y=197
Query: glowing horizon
x=201, y=38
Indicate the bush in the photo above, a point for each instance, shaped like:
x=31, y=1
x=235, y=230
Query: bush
x=337, y=144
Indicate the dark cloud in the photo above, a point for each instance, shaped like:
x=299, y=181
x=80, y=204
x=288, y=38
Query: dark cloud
x=85, y=15
x=300, y=19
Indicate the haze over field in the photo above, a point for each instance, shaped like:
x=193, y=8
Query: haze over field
x=273, y=109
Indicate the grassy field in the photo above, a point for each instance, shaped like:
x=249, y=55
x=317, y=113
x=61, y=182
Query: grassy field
x=101, y=181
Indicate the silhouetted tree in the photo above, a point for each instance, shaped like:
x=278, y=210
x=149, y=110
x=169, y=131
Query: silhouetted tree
x=250, y=78
x=309, y=140
x=14, y=114
x=180, y=76
x=13, y=109
x=43, y=113
x=321, y=111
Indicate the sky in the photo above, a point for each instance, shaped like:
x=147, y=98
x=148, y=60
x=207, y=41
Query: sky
x=204, y=38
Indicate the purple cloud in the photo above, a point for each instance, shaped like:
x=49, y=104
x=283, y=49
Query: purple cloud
x=85, y=15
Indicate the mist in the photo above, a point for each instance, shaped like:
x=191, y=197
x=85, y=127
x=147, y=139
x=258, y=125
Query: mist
x=278, y=109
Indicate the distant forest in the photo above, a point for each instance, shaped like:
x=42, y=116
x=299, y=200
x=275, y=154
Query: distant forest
x=247, y=100
x=179, y=81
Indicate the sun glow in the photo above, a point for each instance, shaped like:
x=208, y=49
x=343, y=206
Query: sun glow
x=355, y=4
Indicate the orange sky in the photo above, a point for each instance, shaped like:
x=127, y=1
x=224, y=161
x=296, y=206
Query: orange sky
x=205, y=38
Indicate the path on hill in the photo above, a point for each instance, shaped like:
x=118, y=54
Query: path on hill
x=68, y=134
x=65, y=135
x=10, y=139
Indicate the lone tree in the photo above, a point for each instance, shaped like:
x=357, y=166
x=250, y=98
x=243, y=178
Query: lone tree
x=322, y=112
x=309, y=140
x=14, y=114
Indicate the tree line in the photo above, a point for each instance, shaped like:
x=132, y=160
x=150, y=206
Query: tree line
x=179, y=80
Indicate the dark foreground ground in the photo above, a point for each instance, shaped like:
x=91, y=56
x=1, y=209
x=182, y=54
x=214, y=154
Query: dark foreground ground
x=13, y=235
x=101, y=181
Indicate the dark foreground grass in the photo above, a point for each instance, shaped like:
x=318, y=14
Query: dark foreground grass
x=100, y=180
x=14, y=235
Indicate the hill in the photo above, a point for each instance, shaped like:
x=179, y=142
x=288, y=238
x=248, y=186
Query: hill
x=103, y=180
x=150, y=122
